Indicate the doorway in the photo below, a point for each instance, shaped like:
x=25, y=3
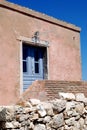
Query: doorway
x=34, y=61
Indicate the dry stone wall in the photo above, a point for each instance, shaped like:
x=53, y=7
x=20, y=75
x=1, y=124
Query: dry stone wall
x=67, y=113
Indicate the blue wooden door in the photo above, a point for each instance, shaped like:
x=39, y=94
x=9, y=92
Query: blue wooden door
x=32, y=65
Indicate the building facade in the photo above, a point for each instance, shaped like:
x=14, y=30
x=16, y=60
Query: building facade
x=34, y=46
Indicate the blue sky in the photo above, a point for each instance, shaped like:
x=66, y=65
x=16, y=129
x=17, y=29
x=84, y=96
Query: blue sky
x=72, y=11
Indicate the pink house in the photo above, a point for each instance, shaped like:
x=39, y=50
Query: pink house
x=34, y=47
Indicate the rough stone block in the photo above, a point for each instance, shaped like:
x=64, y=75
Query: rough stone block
x=57, y=121
x=2, y=114
x=67, y=96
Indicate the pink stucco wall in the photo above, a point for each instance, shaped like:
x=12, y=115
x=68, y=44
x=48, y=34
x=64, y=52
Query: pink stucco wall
x=63, y=52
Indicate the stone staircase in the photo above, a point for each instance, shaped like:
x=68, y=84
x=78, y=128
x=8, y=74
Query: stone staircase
x=49, y=89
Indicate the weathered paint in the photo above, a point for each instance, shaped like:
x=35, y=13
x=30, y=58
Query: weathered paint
x=63, y=51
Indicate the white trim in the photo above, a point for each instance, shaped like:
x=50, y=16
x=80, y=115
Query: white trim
x=28, y=40
x=21, y=69
x=32, y=42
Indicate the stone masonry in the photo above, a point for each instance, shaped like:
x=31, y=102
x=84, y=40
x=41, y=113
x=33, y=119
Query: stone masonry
x=49, y=89
x=67, y=113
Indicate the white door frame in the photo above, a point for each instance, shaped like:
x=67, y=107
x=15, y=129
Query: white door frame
x=21, y=68
x=21, y=65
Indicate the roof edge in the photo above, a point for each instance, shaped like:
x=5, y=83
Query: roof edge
x=38, y=15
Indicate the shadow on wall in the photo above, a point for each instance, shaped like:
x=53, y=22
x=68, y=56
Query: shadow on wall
x=2, y=118
x=2, y=125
